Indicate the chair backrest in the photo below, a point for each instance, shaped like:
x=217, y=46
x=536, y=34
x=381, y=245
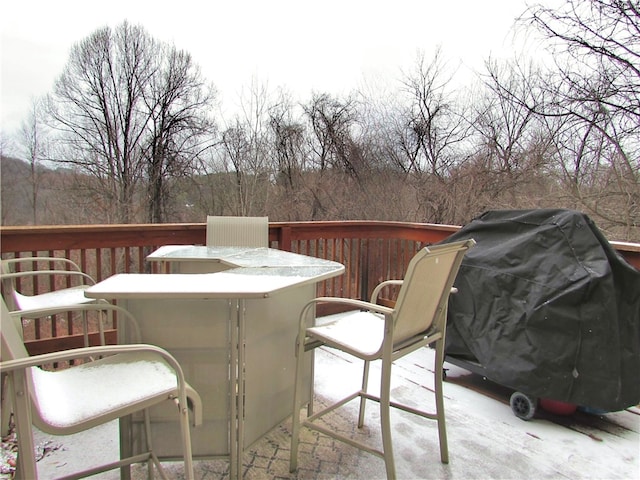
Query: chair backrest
x=422, y=301
x=8, y=285
x=12, y=343
x=237, y=231
x=33, y=267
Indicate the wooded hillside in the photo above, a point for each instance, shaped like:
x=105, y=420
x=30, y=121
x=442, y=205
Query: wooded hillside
x=149, y=148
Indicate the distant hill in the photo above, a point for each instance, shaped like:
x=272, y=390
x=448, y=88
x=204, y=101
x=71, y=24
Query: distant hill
x=13, y=168
x=16, y=190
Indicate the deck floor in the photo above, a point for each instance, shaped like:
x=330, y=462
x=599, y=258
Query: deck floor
x=485, y=439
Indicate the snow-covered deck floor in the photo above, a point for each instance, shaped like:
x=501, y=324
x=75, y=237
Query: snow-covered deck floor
x=486, y=441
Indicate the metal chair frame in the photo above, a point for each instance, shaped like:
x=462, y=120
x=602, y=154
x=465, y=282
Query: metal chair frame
x=159, y=379
x=376, y=332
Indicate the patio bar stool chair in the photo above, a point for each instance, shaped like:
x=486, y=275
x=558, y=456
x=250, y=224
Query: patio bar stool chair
x=13, y=269
x=52, y=269
x=124, y=380
x=237, y=231
x=376, y=332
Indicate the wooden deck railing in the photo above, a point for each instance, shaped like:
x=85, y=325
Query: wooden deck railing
x=370, y=251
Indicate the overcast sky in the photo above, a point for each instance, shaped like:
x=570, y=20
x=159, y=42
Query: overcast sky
x=303, y=45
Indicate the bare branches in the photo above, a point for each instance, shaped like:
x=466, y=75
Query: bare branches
x=433, y=125
x=596, y=87
x=135, y=117
x=132, y=113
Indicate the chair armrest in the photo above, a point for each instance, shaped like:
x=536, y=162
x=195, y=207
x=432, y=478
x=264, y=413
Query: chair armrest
x=10, y=261
x=39, y=273
x=84, y=352
x=195, y=403
x=83, y=307
x=349, y=301
x=380, y=286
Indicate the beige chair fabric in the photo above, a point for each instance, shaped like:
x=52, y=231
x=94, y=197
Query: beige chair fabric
x=125, y=379
x=237, y=231
x=375, y=332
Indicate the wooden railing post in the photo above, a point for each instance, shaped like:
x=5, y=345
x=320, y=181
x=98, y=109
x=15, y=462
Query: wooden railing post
x=283, y=237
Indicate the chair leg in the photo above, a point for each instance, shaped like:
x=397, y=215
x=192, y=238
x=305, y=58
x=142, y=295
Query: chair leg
x=295, y=420
x=147, y=430
x=126, y=444
x=183, y=412
x=26, y=468
x=365, y=382
x=311, y=385
x=385, y=420
x=442, y=427
x=186, y=438
x=5, y=405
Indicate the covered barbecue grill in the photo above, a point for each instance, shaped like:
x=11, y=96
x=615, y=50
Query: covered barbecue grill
x=548, y=308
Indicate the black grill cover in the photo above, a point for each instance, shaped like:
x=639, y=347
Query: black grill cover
x=547, y=307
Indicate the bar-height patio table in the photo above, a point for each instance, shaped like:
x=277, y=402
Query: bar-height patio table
x=233, y=331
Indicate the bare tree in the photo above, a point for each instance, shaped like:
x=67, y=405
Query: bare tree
x=288, y=146
x=335, y=157
x=33, y=140
x=332, y=122
x=596, y=40
x=95, y=104
x=430, y=136
x=596, y=89
x=244, y=153
x=288, y=143
x=179, y=128
x=512, y=144
x=433, y=125
x=123, y=105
